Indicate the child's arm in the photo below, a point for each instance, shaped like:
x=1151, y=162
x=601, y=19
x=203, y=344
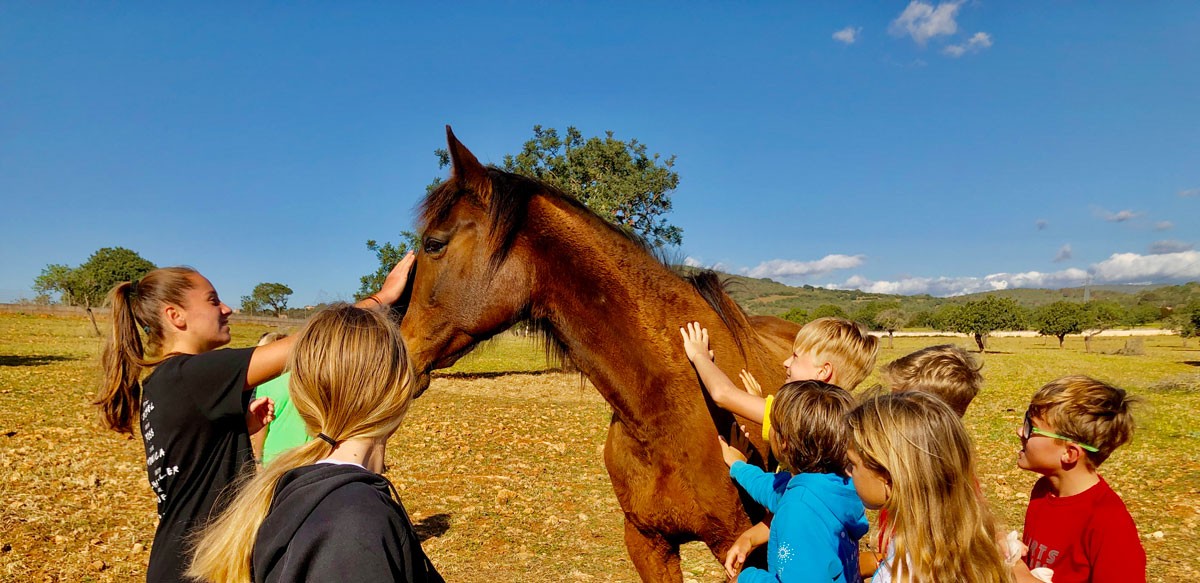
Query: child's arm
x=766, y=488
x=722, y=390
x=756, y=536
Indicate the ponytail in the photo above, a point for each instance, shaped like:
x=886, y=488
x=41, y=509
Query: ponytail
x=224, y=548
x=135, y=308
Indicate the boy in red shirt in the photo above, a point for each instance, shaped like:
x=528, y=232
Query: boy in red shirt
x=1075, y=524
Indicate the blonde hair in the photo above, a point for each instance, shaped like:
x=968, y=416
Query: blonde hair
x=136, y=309
x=846, y=345
x=945, y=370
x=1088, y=411
x=940, y=527
x=810, y=417
x=350, y=379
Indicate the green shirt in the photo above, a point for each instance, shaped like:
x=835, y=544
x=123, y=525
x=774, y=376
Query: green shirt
x=287, y=430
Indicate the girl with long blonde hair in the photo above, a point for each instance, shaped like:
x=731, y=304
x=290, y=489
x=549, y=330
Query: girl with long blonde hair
x=322, y=511
x=911, y=456
x=165, y=375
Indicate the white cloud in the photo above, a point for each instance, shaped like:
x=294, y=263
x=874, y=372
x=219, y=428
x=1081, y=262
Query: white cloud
x=1161, y=247
x=788, y=268
x=957, y=286
x=1117, y=217
x=847, y=35
x=1119, y=268
x=1164, y=226
x=1190, y=192
x=977, y=42
x=1064, y=253
x=923, y=21
x=1132, y=267
x=692, y=262
x=1041, y=224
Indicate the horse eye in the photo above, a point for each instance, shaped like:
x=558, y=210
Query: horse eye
x=433, y=245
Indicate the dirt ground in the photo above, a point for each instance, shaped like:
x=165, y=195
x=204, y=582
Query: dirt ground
x=503, y=474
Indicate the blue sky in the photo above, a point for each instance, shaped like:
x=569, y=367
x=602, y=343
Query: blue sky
x=898, y=147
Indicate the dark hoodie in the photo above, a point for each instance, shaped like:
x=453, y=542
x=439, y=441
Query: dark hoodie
x=337, y=522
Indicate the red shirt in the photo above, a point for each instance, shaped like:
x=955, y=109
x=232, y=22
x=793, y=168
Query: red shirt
x=1086, y=538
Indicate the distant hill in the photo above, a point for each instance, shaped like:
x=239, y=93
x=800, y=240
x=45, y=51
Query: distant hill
x=771, y=298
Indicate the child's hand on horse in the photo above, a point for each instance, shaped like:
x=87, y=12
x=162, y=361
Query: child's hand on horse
x=260, y=412
x=397, y=280
x=695, y=341
x=736, y=556
x=750, y=383
x=730, y=453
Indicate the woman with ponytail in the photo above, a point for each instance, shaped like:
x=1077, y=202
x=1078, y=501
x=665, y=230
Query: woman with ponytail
x=322, y=511
x=192, y=408
x=911, y=455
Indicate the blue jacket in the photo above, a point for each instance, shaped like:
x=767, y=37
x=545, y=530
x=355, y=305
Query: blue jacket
x=818, y=521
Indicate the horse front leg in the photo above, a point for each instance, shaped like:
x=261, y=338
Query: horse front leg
x=655, y=558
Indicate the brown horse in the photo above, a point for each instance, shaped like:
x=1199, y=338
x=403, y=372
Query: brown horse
x=498, y=248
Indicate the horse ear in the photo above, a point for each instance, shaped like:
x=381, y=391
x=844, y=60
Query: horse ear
x=465, y=168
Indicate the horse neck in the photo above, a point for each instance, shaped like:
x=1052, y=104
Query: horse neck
x=615, y=309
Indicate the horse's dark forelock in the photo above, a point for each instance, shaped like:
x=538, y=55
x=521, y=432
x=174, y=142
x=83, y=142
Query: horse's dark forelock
x=508, y=209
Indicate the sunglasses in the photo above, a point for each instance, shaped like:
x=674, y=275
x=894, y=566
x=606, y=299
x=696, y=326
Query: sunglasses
x=1028, y=430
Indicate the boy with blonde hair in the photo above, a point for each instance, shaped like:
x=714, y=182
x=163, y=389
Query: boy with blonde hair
x=1075, y=524
x=836, y=351
x=947, y=371
x=831, y=350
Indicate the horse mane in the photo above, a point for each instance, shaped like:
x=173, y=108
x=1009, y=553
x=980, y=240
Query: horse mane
x=508, y=208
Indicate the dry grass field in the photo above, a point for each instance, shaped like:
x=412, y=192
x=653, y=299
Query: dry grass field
x=500, y=464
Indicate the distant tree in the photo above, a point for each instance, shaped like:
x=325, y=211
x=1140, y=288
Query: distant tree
x=273, y=296
x=797, y=315
x=89, y=284
x=890, y=320
x=866, y=313
x=616, y=179
x=922, y=319
x=1185, y=321
x=1059, y=319
x=826, y=311
x=388, y=256
x=979, y=318
x=1142, y=314
x=1098, y=317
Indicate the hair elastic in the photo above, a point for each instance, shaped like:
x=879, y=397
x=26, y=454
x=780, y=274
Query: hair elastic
x=327, y=439
x=133, y=287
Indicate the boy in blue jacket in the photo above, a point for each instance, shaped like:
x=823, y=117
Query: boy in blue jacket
x=818, y=515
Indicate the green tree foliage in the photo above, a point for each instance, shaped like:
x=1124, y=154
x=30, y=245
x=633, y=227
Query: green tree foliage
x=866, y=313
x=797, y=315
x=89, y=284
x=272, y=296
x=1098, y=317
x=922, y=319
x=616, y=179
x=1142, y=314
x=388, y=256
x=826, y=311
x=1059, y=319
x=979, y=318
x=890, y=320
x=1185, y=323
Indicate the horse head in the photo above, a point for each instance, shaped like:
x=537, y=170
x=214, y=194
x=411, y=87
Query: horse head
x=468, y=285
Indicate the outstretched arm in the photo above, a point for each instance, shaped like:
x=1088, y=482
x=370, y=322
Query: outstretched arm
x=268, y=360
x=722, y=390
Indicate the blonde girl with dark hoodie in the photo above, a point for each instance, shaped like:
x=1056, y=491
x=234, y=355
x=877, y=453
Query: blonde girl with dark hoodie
x=323, y=511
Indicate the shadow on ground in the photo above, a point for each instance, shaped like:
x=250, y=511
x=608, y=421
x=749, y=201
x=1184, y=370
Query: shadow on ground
x=32, y=359
x=432, y=526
